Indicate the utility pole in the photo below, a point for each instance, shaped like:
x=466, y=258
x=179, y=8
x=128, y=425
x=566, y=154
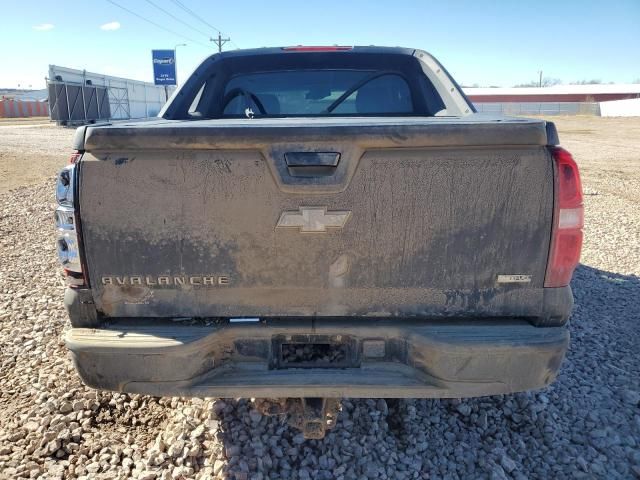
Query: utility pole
x=540, y=81
x=220, y=41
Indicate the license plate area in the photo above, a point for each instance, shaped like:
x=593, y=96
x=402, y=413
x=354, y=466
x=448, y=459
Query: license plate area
x=314, y=351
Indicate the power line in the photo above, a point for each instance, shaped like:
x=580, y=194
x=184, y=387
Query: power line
x=157, y=25
x=178, y=19
x=195, y=15
x=220, y=41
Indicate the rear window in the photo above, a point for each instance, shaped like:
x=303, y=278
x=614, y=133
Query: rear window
x=317, y=92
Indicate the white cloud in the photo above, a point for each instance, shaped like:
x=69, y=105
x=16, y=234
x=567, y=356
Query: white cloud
x=43, y=27
x=110, y=26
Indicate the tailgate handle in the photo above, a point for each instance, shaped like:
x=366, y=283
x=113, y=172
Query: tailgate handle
x=312, y=164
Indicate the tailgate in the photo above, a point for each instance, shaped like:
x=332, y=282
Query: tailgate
x=380, y=217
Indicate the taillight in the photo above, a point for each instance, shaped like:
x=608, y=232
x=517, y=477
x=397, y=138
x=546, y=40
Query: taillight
x=65, y=218
x=64, y=186
x=568, y=220
x=311, y=48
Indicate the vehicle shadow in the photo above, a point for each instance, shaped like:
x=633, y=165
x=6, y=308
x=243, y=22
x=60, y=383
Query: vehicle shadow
x=579, y=427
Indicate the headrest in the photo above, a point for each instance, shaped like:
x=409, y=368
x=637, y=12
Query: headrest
x=387, y=94
x=270, y=103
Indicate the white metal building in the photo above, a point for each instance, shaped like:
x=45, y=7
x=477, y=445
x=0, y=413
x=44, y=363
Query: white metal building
x=127, y=98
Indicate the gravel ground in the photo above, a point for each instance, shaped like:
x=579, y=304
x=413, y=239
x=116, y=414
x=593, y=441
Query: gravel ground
x=586, y=425
x=30, y=151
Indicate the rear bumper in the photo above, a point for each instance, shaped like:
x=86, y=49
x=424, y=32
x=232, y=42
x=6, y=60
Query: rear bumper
x=386, y=358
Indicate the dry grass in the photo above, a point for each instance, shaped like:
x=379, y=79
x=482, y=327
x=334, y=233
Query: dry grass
x=606, y=150
x=31, y=152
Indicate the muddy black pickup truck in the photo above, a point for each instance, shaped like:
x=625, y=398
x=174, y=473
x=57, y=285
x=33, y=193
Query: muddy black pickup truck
x=309, y=223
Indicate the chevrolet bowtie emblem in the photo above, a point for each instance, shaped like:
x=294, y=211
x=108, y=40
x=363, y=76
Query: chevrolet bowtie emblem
x=313, y=219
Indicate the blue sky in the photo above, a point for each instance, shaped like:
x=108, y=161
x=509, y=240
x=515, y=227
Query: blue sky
x=488, y=42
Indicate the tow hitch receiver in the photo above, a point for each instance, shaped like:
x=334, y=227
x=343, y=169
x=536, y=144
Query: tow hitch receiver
x=314, y=416
x=314, y=351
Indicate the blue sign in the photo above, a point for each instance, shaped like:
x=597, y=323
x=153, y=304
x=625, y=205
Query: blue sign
x=164, y=67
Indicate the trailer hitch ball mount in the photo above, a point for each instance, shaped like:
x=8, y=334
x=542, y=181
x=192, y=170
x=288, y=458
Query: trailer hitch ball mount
x=313, y=416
